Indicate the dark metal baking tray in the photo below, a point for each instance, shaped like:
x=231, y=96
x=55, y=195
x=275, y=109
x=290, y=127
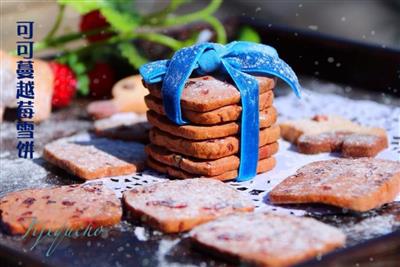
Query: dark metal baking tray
x=123, y=247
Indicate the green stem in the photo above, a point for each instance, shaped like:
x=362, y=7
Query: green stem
x=154, y=37
x=161, y=39
x=158, y=17
x=57, y=23
x=219, y=29
x=199, y=15
x=56, y=42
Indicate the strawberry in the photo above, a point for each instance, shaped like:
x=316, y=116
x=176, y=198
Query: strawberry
x=102, y=79
x=91, y=21
x=64, y=85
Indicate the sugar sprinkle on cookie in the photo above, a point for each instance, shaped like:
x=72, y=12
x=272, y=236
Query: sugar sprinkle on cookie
x=266, y=239
x=357, y=184
x=71, y=207
x=324, y=133
x=179, y=205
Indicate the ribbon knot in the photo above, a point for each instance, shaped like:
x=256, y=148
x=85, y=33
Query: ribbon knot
x=208, y=62
x=239, y=60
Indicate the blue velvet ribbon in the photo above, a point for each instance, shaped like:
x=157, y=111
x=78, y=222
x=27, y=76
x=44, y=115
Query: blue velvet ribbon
x=240, y=60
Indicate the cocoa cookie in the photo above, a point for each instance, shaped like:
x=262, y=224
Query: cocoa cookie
x=203, y=167
x=199, y=132
x=219, y=115
x=124, y=126
x=267, y=239
x=208, y=93
x=263, y=165
x=179, y=205
x=357, y=184
x=180, y=174
x=209, y=149
x=96, y=158
x=352, y=145
x=71, y=207
x=333, y=133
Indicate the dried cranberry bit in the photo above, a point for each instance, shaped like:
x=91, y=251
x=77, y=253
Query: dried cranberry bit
x=167, y=203
x=29, y=201
x=319, y=171
x=326, y=187
x=204, y=91
x=77, y=210
x=217, y=207
x=230, y=147
x=319, y=118
x=68, y=203
x=26, y=213
x=111, y=203
x=234, y=237
x=189, y=83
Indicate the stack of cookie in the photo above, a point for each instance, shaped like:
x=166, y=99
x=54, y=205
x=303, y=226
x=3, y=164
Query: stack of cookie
x=209, y=145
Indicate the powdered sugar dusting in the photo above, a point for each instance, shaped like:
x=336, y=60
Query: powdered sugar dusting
x=268, y=238
x=187, y=199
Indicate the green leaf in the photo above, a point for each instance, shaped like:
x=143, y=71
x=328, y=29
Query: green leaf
x=247, y=33
x=120, y=21
x=83, y=7
x=119, y=13
x=129, y=51
x=83, y=84
x=79, y=69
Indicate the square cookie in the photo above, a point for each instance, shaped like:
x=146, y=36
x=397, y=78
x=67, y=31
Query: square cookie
x=266, y=239
x=91, y=158
x=179, y=205
x=71, y=207
x=357, y=184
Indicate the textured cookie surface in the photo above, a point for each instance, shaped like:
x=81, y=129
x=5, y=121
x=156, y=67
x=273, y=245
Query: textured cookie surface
x=66, y=207
x=209, y=149
x=177, y=206
x=99, y=157
x=333, y=133
x=208, y=93
x=357, y=184
x=219, y=115
x=267, y=239
x=197, y=132
x=204, y=167
x=263, y=165
x=124, y=126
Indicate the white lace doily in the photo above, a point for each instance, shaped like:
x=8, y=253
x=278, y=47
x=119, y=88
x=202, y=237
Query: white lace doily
x=288, y=160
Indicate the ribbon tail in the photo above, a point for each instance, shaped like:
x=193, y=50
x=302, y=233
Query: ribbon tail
x=249, y=134
x=283, y=71
x=154, y=72
x=262, y=61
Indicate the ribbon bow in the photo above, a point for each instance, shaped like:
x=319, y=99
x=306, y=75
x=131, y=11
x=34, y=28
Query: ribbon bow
x=240, y=60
